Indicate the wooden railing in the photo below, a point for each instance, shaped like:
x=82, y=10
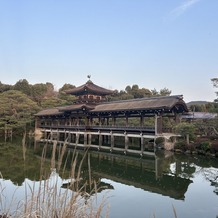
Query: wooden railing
x=107, y=128
x=144, y=129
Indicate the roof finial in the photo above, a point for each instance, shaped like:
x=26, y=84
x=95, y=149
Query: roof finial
x=89, y=81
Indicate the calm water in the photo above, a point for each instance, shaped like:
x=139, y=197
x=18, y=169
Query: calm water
x=133, y=187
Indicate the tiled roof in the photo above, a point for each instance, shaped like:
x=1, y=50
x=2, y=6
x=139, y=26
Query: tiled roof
x=61, y=110
x=90, y=88
x=49, y=112
x=164, y=103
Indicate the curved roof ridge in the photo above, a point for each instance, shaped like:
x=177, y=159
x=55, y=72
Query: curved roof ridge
x=89, y=86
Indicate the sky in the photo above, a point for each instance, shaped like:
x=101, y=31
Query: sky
x=151, y=43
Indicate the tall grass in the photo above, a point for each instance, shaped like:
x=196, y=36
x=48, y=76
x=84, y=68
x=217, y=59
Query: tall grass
x=48, y=199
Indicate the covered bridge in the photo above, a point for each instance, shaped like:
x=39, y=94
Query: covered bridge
x=92, y=113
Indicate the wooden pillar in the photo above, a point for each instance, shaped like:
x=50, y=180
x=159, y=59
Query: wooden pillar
x=142, y=121
x=77, y=138
x=86, y=121
x=99, y=121
x=85, y=139
x=126, y=142
x=127, y=121
x=114, y=121
x=100, y=140
x=155, y=124
x=58, y=135
x=142, y=144
x=112, y=141
x=158, y=124
x=77, y=121
x=51, y=134
x=90, y=138
x=90, y=121
x=69, y=136
x=103, y=139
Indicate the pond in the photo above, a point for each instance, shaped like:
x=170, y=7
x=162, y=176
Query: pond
x=162, y=185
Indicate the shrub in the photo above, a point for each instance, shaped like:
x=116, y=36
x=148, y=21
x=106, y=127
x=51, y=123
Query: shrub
x=205, y=146
x=186, y=130
x=180, y=145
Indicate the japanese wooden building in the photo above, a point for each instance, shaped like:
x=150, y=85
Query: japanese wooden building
x=100, y=121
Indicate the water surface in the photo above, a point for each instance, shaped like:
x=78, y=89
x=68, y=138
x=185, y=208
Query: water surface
x=133, y=186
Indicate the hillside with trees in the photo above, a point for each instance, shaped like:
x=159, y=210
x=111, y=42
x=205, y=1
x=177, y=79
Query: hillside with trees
x=203, y=106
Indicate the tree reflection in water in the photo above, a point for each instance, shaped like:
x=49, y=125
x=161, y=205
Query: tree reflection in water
x=165, y=174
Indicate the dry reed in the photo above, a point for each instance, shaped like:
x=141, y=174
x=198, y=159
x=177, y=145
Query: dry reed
x=48, y=199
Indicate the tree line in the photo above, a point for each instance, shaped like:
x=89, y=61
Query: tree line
x=19, y=102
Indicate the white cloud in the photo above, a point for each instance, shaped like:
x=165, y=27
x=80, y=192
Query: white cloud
x=181, y=9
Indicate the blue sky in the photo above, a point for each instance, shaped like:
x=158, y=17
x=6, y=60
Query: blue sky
x=152, y=43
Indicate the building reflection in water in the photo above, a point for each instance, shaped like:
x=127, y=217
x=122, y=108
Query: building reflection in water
x=164, y=173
